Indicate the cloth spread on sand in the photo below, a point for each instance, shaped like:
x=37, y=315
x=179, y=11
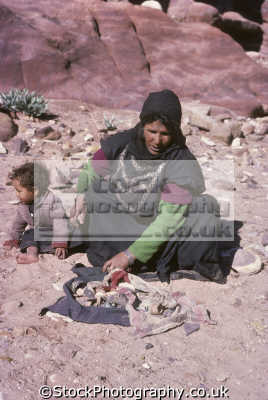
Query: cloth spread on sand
x=125, y=299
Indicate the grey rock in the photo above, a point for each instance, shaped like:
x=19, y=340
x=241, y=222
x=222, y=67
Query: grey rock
x=149, y=346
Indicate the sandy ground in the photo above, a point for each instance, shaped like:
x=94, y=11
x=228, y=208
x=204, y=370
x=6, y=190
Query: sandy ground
x=231, y=357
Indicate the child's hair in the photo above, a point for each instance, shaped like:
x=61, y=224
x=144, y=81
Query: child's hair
x=31, y=175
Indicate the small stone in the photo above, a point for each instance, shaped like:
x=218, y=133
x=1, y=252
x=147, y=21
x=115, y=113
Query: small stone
x=41, y=133
x=247, y=129
x=262, y=129
x=55, y=135
x=72, y=133
x=149, y=346
x=190, y=327
x=207, y=141
x=152, y=4
x=237, y=303
x=146, y=366
x=236, y=142
x=246, y=261
x=3, y=150
x=88, y=137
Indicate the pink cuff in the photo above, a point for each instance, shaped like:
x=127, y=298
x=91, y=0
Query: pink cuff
x=56, y=245
x=175, y=194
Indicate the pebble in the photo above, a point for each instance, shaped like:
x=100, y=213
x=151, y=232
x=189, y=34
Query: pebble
x=3, y=150
x=146, y=366
x=236, y=142
x=207, y=141
x=88, y=137
x=149, y=346
x=41, y=133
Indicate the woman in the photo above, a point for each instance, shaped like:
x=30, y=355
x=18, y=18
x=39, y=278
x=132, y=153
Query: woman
x=150, y=186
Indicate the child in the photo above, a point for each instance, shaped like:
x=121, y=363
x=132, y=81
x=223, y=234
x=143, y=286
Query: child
x=41, y=211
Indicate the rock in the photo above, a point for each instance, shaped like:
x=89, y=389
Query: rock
x=3, y=150
x=146, y=366
x=186, y=130
x=221, y=132
x=261, y=128
x=189, y=11
x=152, y=4
x=222, y=185
x=88, y=137
x=123, y=49
x=235, y=127
x=236, y=142
x=8, y=129
x=55, y=135
x=246, y=261
x=247, y=128
x=42, y=133
x=244, y=31
x=207, y=141
x=149, y=346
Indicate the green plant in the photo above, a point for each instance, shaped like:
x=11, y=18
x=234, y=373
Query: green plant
x=21, y=100
x=109, y=123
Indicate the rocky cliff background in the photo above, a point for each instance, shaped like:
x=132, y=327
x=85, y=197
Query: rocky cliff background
x=96, y=61
x=112, y=53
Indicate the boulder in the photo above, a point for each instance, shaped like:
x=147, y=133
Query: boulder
x=8, y=128
x=113, y=53
x=248, y=33
x=153, y=4
x=248, y=8
x=189, y=11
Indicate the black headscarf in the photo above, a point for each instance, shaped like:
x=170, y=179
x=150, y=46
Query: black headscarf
x=164, y=103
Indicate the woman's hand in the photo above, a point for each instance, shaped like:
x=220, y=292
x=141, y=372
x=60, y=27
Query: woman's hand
x=120, y=260
x=61, y=252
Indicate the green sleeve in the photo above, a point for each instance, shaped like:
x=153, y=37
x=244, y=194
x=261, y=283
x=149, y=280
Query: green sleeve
x=166, y=223
x=85, y=178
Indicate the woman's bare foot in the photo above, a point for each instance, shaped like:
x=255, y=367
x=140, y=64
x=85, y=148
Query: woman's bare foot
x=30, y=257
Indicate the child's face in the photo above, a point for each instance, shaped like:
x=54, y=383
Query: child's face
x=24, y=194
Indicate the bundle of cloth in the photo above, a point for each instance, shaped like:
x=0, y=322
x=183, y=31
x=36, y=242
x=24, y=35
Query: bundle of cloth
x=126, y=299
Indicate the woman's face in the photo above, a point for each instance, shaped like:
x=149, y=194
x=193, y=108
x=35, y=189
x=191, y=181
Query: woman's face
x=157, y=138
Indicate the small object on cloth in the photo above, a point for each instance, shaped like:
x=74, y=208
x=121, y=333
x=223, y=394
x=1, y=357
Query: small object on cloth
x=89, y=293
x=190, y=327
x=12, y=243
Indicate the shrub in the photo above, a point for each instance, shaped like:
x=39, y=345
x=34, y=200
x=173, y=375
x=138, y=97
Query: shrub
x=21, y=100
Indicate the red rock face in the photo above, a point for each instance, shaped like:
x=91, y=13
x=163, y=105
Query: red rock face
x=113, y=54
